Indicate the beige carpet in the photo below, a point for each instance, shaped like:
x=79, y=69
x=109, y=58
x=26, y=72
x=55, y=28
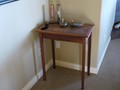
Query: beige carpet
x=67, y=79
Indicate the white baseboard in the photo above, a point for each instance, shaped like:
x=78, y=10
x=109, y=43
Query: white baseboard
x=102, y=57
x=32, y=82
x=67, y=65
x=74, y=66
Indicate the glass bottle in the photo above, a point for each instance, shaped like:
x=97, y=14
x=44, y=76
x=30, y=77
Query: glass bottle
x=59, y=9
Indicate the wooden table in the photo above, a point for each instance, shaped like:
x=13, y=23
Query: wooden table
x=76, y=34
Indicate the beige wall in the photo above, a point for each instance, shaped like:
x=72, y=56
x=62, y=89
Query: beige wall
x=83, y=11
x=17, y=20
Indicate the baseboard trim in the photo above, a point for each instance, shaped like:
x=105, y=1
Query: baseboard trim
x=32, y=82
x=74, y=66
x=102, y=57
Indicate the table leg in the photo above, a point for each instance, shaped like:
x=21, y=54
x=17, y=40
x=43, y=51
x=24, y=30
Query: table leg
x=53, y=53
x=89, y=54
x=83, y=62
x=42, y=56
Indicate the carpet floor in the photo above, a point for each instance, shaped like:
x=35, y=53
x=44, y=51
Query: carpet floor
x=108, y=77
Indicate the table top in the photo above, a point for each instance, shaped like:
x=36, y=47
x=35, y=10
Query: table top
x=82, y=31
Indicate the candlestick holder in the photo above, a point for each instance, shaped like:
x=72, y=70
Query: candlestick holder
x=52, y=14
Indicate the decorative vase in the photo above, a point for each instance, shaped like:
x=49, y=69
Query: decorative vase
x=59, y=8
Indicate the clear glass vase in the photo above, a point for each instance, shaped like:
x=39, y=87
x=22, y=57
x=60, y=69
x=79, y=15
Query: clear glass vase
x=59, y=9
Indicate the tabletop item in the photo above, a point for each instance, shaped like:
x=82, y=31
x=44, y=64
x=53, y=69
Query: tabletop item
x=52, y=14
x=59, y=13
x=45, y=26
x=76, y=24
x=63, y=23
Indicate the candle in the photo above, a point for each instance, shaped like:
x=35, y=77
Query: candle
x=43, y=7
x=52, y=11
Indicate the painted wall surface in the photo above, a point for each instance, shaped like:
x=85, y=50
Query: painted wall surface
x=117, y=13
x=107, y=21
x=17, y=48
x=87, y=11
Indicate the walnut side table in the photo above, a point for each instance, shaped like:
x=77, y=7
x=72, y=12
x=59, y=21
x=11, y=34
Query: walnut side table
x=72, y=34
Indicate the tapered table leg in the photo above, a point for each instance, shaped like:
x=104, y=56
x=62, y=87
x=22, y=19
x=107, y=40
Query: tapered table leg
x=42, y=56
x=89, y=54
x=53, y=53
x=83, y=62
